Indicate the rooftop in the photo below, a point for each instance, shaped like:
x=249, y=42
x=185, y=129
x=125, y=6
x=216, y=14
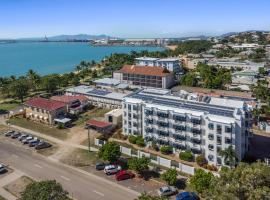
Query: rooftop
x=69, y=98
x=147, y=58
x=90, y=91
x=107, y=81
x=99, y=124
x=46, y=104
x=115, y=112
x=144, y=70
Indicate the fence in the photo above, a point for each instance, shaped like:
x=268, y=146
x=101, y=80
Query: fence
x=155, y=159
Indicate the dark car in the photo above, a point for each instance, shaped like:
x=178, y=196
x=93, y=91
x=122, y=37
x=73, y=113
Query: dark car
x=42, y=145
x=9, y=133
x=15, y=135
x=34, y=143
x=100, y=165
x=187, y=196
x=123, y=175
x=3, y=169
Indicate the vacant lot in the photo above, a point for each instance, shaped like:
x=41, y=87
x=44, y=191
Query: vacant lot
x=80, y=158
x=42, y=128
x=18, y=186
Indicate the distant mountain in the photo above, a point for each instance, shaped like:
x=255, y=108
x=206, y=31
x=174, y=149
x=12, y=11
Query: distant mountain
x=68, y=37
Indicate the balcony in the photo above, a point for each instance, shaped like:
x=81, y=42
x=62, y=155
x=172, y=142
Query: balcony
x=179, y=118
x=211, y=137
x=179, y=128
x=195, y=121
x=195, y=131
x=196, y=140
x=179, y=146
x=162, y=115
x=179, y=137
x=196, y=150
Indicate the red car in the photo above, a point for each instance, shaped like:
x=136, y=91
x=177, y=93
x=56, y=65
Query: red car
x=123, y=175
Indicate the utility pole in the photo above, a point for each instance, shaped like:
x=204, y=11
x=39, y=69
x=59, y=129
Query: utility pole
x=89, y=148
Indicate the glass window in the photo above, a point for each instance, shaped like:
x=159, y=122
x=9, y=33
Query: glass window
x=228, y=129
x=211, y=126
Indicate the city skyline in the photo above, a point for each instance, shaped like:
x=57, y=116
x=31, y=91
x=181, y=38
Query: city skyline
x=131, y=19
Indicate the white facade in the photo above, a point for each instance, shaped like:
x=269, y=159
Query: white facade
x=172, y=64
x=204, y=127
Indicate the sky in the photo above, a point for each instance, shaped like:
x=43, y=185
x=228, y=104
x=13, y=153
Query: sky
x=131, y=18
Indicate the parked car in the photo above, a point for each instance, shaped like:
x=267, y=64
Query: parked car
x=23, y=136
x=123, y=175
x=187, y=196
x=27, y=139
x=112, y=169
x=9, y=133
x=34, y=142
x=15, y=135
x=3, y=169
x=167, y=191
x=100, y=165
x=42, y=145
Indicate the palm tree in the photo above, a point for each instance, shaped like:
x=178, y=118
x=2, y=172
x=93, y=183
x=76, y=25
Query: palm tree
x=34, y=79
x=229, y=155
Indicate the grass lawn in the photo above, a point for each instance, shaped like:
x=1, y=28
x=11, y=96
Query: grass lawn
x=93, y=113
x=80, y=158
x=42, y=128
x=9, y=105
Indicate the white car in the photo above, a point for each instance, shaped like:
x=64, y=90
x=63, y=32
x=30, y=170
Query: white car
x=112, y=169
x=167, y=191
x=3, y=168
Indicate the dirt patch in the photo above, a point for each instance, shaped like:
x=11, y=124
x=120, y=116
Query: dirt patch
x=48, y=151
x=80, y=158
x=18, y=186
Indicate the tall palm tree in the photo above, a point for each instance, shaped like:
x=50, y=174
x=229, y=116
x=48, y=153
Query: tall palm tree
x=34, y=79
x=229, y=156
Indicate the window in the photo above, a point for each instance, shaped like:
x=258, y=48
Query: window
x=129, y=107
x=228, y=129
x=210, y=157
x=219, y=161
x=219, y=140
x=210, y=136
x=162, y=114
x=125, y=122
x=211, y=126
x=195, y=121
x=135, y=107
x=179, y=118
x=135, y=116
x=179, y=128
x=228, y=140
x=219, y=128
x=211, y=147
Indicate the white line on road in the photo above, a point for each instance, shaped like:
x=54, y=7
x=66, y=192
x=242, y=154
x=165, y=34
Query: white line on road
x=65, y=178
x=38, y=166
x=99, y=193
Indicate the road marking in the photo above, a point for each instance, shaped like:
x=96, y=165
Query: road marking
x=99, y=193
x=65, y=178
x=38, y=166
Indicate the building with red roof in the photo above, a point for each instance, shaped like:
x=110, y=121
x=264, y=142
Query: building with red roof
x=44, y=110
x=145, y=76
x=100, y=126
x=75, y=103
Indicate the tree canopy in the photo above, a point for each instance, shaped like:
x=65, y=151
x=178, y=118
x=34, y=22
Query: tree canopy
x=170, y=176
x=44, y=190
x=110, y=152
x=139, y=164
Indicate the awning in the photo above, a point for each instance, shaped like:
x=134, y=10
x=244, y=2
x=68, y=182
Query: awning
x=62, y=120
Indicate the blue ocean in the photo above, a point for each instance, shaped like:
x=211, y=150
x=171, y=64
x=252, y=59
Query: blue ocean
x=53, y=57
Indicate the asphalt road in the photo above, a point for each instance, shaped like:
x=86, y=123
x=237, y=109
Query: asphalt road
x=80, y=185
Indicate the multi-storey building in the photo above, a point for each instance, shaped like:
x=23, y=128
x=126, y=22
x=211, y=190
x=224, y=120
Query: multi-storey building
x=205, y=125
x=145, y=76
x=172, y=64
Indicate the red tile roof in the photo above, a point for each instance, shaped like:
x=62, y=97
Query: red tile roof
x=46, y=104
x=99, y=124
x=144, y=70
x=69, y=99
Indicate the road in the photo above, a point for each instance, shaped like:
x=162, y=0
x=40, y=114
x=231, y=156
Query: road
x=80, y=184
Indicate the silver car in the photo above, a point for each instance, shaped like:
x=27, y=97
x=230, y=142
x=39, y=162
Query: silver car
x=112, y=169
x=167, y=191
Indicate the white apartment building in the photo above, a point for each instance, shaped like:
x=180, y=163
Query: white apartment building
x=205, y=125
x=172, y=64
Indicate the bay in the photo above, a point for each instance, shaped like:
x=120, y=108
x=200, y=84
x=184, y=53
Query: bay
x=53, y=57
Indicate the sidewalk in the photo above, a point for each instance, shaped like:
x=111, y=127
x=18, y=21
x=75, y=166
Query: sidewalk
x=53, y=139
x=6, y=180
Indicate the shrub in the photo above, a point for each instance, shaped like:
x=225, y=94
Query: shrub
x=138, y=164
x=60, y=126
x=170, y=176
x=200, y=160
x=132, y=139
x=155, y=146
x=140, y=141
x=186, y=155
x=166, y=149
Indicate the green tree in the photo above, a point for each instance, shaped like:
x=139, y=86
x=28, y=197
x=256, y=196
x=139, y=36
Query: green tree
x=34, y=79
x=245, y=182
x=229, y=156
x=186, y=155
x=200, y=160
x=170, y=176
x=145, y=196
x=44, y=190
x=139, y=164
x=50, y=83
x=20, y=88
x=166, y=149
x=110, y=152
x=189, y=79
x=201, y=181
